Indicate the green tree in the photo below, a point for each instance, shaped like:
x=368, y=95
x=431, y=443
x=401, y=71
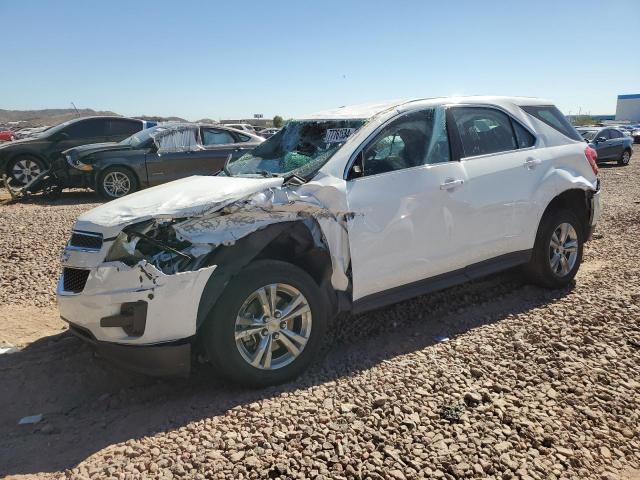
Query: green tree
x=277, y=121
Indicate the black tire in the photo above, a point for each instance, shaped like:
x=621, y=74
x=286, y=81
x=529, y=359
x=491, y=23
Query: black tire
x=111, y=193
x=624, y=158
x=35, y=166
x=539, y=269
x=218, y=333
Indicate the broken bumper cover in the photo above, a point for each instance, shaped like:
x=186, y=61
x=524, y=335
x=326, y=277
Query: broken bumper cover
x=136, y=316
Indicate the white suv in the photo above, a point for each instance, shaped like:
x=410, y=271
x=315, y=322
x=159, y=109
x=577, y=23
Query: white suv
x=350, y=209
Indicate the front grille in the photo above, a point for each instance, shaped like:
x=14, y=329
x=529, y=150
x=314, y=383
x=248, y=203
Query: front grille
x=74, y=279
x=91, y=241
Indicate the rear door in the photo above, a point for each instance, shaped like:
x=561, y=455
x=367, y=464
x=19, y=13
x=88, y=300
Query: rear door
x=218, y=144
x=121, y=128
x=501, y=169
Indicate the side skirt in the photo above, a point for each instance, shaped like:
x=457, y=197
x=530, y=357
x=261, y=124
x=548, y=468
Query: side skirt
x=440, y=282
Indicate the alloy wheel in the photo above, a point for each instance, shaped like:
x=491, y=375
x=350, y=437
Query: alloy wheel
x=563, y=249
x=625, y=158
x=25, y=170
x=116, y=184
x=273, y=326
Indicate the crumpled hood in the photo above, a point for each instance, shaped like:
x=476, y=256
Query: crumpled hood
x=188, y=197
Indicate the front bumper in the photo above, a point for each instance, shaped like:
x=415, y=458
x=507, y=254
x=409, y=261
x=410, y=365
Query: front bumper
x=100, y=304
x=165, y=359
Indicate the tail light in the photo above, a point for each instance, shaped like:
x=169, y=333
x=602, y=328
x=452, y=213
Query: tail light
x=592, y=158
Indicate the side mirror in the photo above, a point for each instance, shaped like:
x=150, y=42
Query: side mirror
x=357, y=169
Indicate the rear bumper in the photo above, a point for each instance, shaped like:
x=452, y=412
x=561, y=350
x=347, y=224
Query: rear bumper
x=594, y=211
x=164, y=359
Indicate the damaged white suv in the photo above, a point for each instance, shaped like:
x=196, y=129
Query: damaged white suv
x=345, y=210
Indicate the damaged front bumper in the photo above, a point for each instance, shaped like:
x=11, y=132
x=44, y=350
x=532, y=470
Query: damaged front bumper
x=137, y=316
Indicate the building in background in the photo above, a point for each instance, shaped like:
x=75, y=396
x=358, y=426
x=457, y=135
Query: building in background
x=628, y=108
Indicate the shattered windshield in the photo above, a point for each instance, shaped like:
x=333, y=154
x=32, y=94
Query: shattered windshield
x=299, y=148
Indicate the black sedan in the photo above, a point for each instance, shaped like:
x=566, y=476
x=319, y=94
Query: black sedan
x=610, y=143
x=23, y=160
x=152, y=157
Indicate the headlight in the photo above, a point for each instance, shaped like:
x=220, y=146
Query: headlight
x=77, y=164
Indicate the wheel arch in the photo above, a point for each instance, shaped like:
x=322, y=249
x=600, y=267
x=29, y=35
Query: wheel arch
x=291, y=242
x=11, y=158
x=577, y=200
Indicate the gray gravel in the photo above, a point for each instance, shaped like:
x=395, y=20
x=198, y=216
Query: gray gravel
x=532, y=384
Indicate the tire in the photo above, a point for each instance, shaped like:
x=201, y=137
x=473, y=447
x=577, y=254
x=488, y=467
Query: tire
x=625, y=158
x=540, y=269
x=231, y=356
x=116, y=182
x=24, y=168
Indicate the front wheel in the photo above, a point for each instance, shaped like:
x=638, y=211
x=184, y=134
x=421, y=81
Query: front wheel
x=267, y=326
x=624, y=158
x=24, y=169
x=116, y=182
x=557, y=253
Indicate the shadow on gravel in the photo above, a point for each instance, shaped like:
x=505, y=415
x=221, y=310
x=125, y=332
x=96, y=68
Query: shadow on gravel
x=72, y=197
x=87, y=404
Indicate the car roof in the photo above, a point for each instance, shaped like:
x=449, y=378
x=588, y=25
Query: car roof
x=369, y=110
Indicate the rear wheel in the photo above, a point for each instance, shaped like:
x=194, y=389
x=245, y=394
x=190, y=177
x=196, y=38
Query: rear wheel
x=116, y=182
x=624, y=158
x=23, y=169
x=557, y=253
x=267, y=326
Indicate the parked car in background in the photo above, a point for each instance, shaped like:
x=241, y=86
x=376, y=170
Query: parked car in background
x=157, y=155
x=635, y=134
x=7, y=135
x=23, y=160
x=350, y=209
x=269, y=132
x=242, y=126
x=609, y=143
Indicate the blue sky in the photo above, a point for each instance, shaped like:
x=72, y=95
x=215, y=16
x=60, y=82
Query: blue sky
x=232, y=59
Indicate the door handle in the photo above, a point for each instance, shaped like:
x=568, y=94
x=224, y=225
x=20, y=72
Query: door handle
x=450, y=183
x=531, y=163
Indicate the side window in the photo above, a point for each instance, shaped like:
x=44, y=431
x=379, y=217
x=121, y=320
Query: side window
x=124, y=128
x=553, y=117
x=483, y=130
x=211, y=136
x=90, y=128
x=604, y=133
x=524, y=138
x=181, y=139
x=417, y=138
x=244, y=138
x=615, y=133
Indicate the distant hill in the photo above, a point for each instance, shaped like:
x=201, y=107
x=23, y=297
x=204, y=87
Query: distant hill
x=51, y=116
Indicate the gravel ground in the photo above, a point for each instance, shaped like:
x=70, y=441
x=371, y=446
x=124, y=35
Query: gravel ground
x=532, y=384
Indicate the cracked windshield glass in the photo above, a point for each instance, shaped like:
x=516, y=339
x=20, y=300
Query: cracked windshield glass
x=300, y=148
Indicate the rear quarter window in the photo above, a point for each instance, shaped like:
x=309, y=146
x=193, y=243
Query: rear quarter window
x=553, y=117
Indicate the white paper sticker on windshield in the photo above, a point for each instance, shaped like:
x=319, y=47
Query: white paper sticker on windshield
x=337, y=135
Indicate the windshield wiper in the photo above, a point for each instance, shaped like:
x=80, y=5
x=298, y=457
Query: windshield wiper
x=266, y=174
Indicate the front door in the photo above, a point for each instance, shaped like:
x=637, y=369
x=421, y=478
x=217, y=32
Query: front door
x=405, y=216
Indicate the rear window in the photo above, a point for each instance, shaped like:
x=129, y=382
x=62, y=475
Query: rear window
x=554, y=118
